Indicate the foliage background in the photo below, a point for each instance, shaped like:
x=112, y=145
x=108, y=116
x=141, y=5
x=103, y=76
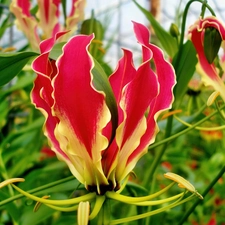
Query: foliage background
x=197, y=155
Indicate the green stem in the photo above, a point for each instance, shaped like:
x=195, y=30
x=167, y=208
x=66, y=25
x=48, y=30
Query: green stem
x=158, y=158
x=184, y=24
x=187, y=214
x=147, y=214
x=160, y=153
x=64, y=11
x=97, y=207
x=4, y=174
x=203, y=8
x=174, y=136
x=104, y=215
x=165, y=142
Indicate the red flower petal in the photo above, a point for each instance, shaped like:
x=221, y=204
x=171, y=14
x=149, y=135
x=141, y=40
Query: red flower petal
x=152, y=98
x=76, y=100
x=42, y=92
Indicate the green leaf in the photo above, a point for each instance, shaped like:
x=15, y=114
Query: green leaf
x=36, y=124
x=56, y=50
x=37, y=178
x=136, y=188
x=65, y=217
x=4, y=109
x=21, y=83
x=12, y=136
x=168, y=42
x=185, y=69
x=12, y=63
x=90, y=26
x=10, y=207
x=101, y=83
x=29, y=217
x=4, y=25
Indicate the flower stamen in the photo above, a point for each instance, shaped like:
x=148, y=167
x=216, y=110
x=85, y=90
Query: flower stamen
x=83, y=213
x=10, y=181
x=182, y=183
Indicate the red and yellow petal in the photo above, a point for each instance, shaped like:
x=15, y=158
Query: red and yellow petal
x=137, y=97
x=149, y=94
x=48, y=15
x=41, y=94
x=25, y=21
x=80, y=108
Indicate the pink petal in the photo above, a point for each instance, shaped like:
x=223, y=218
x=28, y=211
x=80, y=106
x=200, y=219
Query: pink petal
x=124, y=73
x=153, y=92
x=166, y=79
x=77, y=103
x=82, y=113
x=138, y=95
x=42, y=92
x=137, y=98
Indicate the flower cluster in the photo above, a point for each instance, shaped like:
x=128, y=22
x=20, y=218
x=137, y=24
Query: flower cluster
x=46, y=22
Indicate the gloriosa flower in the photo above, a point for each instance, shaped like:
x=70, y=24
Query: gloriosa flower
x=212, y=29
x=101, y=127
x=47, y=21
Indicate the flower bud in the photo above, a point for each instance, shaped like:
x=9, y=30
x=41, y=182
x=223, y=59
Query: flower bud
x=212, y=42
x=174, y=31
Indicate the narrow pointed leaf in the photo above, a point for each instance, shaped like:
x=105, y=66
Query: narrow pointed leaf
x=185, y=69
x=11, y=208
x=56, y=50
x=12, y=63
x=4, y=25
x=101, y=83
x=90, y=26
x=64, y=9
x=24, y=81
